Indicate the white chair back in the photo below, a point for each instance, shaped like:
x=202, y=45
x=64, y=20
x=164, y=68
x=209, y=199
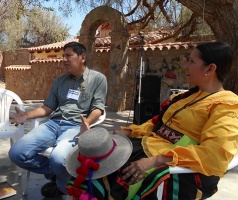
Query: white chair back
x=8, y=130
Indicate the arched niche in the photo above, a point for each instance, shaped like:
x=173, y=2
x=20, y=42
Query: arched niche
x=116, y=98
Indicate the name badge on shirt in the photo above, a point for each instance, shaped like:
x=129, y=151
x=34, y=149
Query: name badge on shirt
x=73, y=94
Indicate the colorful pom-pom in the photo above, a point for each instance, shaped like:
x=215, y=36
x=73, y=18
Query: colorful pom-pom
x=70, y=190
x=80, y=158
x=93, y=165
x=155, y=119
x=82, y=170
x=78, y=181
x=77, y=192
x=164, y=103
x=87, y=196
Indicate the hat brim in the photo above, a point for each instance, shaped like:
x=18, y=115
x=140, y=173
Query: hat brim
x=108, y=165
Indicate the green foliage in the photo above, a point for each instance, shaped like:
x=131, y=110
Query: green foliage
x=25, y=23
x=33, y=27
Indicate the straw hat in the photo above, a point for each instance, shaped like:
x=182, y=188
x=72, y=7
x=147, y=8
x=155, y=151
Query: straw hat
x=96, y=143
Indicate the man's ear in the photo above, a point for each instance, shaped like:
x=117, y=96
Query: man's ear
x=83, y=55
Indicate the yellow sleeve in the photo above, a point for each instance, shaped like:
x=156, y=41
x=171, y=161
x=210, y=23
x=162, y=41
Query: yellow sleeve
x=217, y=146
x=138, y=131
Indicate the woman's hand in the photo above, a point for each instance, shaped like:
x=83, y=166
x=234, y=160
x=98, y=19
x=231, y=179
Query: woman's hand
x=136, y=170
x=19, y=117
x=122, y=132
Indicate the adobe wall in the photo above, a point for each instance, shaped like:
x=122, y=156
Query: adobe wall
x=34, y=83
x=14, y=57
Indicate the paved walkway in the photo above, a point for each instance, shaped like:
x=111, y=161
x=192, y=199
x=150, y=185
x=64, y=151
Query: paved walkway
x=227, y=186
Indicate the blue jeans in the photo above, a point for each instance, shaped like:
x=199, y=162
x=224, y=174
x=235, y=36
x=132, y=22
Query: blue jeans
x=58, y=133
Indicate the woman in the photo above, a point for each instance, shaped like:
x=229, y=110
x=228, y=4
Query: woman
x=198, y=130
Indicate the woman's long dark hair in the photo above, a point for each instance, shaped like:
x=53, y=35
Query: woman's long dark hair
x=218, y=53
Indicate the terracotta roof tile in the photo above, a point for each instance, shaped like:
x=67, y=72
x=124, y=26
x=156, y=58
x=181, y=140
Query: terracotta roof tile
x=18, y=67
x=103, y=41
x=168, y=46
x=134, y=47
x=46, y=60
x=135, y=39
x=53, y=46
x=103, y=44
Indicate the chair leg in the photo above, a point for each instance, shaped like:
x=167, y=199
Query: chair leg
x=26, y=184
x=19, y=170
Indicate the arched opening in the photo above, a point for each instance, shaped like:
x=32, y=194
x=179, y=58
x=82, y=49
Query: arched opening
x=119, y=35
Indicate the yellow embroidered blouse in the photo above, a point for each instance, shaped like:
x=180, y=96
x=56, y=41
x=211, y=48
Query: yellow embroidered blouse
x=211, y=122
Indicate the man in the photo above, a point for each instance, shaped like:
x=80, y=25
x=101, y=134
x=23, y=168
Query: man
x=81, y=91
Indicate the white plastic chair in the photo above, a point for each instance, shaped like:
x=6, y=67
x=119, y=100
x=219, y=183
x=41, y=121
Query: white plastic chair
x=8, y=130
x=36, y=122
x=182, y=170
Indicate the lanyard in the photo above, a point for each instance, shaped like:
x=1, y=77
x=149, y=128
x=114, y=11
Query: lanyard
x=186, y=105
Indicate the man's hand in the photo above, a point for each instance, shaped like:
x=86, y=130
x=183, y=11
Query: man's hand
x=84, y=125
x=18, y=118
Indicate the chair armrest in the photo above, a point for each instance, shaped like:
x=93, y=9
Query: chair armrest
x=36, y=122
x=234, y=162
x=47, y=152
x=100, y=119
x=179, y=170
